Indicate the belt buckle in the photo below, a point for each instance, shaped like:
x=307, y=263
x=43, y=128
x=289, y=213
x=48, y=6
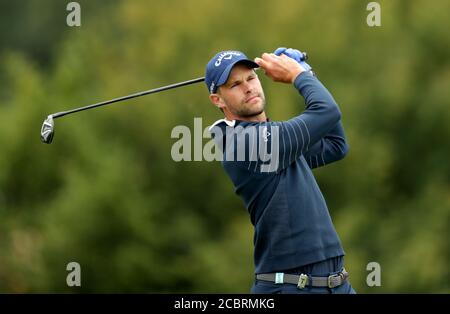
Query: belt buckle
x=302, y=281
x=330, y=284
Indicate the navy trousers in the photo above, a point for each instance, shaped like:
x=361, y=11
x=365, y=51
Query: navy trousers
x=321, y=269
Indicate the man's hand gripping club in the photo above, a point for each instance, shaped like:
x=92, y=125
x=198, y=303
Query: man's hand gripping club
x=282, y=66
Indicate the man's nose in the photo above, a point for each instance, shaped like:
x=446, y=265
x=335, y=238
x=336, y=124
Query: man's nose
x=248, y=88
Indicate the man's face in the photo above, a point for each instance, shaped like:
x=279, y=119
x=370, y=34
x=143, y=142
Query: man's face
x=242, y=95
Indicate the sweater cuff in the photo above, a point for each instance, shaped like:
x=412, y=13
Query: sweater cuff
x=301, y=78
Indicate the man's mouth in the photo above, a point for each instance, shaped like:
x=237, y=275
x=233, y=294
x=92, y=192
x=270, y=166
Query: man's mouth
x=251, y=98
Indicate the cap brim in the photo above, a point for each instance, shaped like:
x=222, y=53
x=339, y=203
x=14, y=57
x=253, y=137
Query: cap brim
x=224, y=77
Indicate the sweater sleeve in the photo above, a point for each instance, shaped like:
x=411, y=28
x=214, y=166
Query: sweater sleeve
x=308, y=131
x=332, y=147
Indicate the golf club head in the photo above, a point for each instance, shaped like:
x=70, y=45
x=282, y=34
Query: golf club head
x=47, y=130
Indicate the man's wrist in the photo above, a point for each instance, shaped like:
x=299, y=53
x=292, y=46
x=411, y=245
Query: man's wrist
x=296, y=73
x=300, y=79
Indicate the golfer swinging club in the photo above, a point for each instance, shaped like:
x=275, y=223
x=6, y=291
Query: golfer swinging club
x=296, y=247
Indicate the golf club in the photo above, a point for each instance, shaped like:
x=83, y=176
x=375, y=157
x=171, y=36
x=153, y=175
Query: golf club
x=48, y=127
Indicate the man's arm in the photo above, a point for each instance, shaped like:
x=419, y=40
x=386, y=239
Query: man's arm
x=316, y=132
x=332, y=147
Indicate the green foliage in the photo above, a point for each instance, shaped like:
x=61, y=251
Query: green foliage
x=108, y=195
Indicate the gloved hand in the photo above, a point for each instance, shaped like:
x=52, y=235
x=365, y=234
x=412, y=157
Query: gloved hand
x=294, y=54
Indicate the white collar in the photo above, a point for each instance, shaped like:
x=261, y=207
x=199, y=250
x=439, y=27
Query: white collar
x=228, y=122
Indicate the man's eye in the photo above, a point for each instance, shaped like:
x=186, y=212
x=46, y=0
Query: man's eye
x=251, y=78
x=234, y=85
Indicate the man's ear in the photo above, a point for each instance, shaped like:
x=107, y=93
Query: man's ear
x=217, y=100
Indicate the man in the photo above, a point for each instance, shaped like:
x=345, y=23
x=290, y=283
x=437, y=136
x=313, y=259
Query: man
x=296, y=247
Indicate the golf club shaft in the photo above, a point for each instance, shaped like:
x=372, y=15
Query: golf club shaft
x=151, y=91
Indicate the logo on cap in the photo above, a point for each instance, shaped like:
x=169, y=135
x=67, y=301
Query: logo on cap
x=227, y=56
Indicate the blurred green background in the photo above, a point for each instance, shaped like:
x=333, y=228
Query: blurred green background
x=108, y=195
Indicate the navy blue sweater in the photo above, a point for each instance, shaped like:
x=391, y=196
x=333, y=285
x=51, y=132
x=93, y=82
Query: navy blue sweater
x=292, y=224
